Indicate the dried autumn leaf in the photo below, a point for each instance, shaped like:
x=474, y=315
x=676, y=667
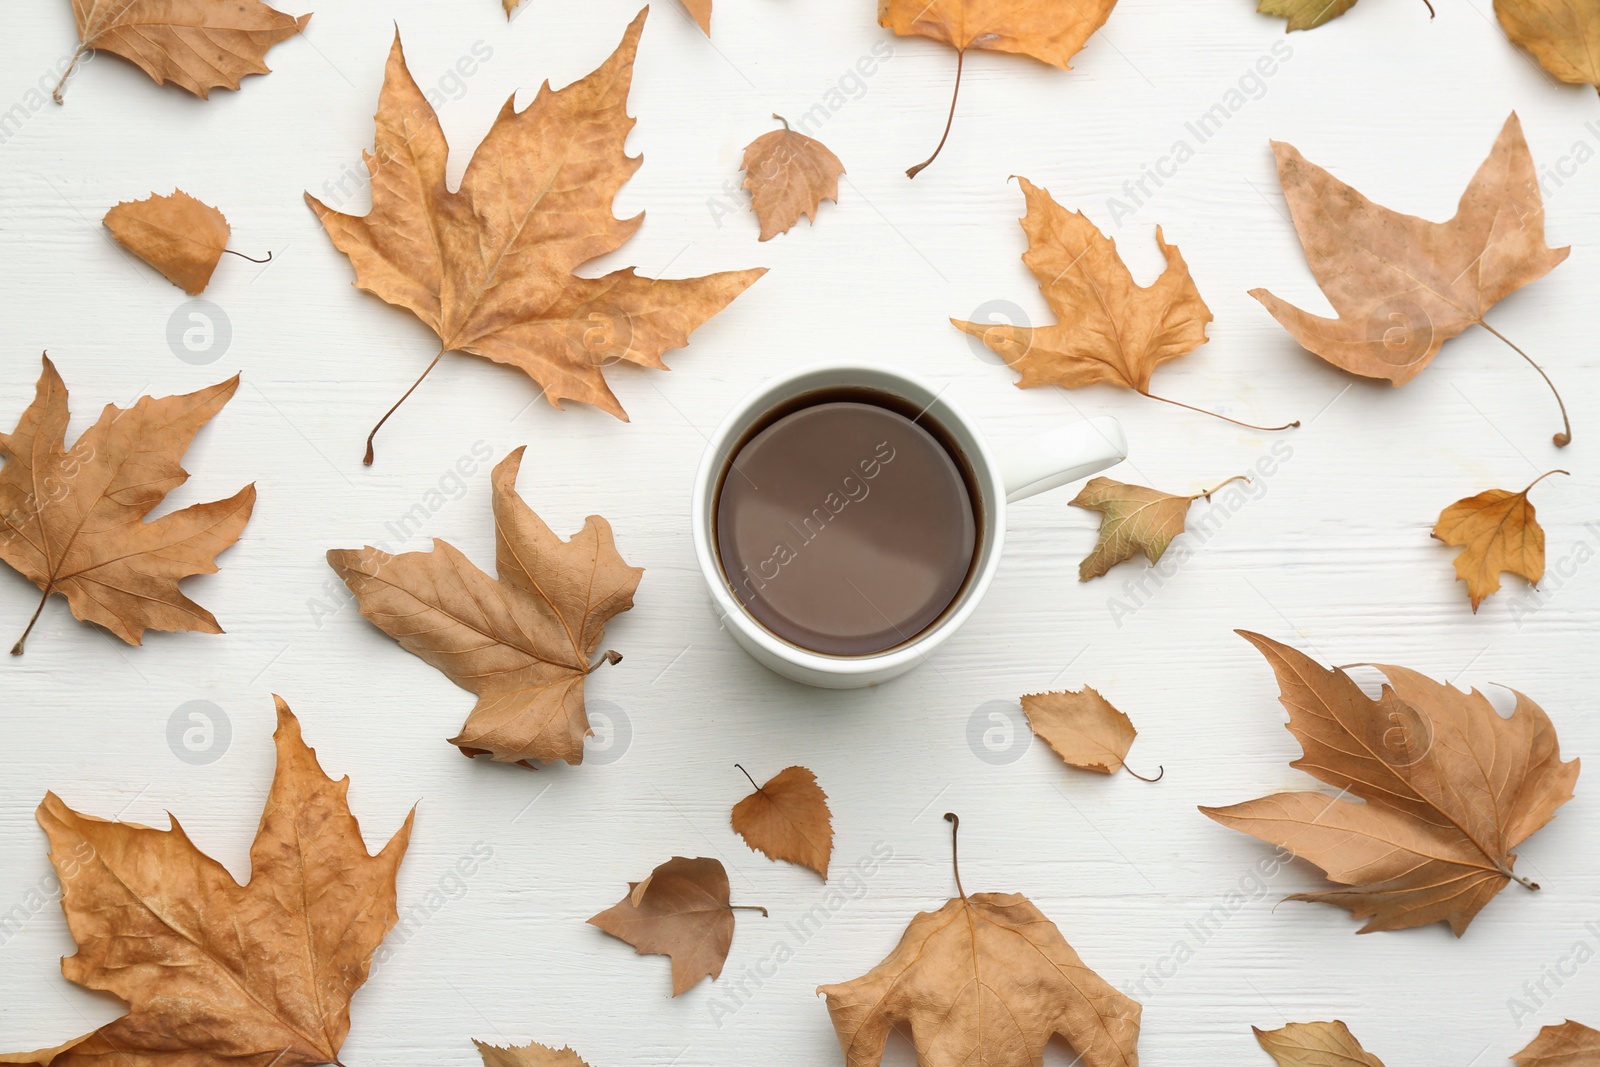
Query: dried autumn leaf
x=1049, y=31
x=198, y=45
x=1111, y=330
x=1496, y=531
x=986, y=979
x=789, y=175
x=1315, y=1045
x=531, y=1055
x=216, y=972
x=1568, y=1045
x=788, y=819
x=1134, y=519
x=489, y=267
x=680, y=910
x=1450, y=789
x=701, y=11
x=1305, y=14
x=523, y=642
x=72, y=521
x=1083, y=729
x=177, y=235
x=1562, y=35
x=1402, y=285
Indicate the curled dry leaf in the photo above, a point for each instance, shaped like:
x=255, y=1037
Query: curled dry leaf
x=1083, y=729
x=198, y=45
x=216, y=972
x=680, y=910
x=1047, y=30
x=1305, y=14
x=177, y=235
x=531, y=1055
x=1402, y=285
x=1496, y=531
x=1315, y=1045
x=489, y=267
x=788, y=819
x=72, y=521
x=523, y=642
x=1111, y=330
x=1562, y=35
x=985, y=979
x=1568, y=1045
x=1134, y=519
x=789, y=175
x=1450, y=790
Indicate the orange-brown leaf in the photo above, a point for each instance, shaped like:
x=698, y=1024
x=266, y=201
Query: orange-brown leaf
x=1403, y=286
x=1563, y=36
x=1111, y=330
x=789, y=175
x=1450, y=789
x=212, y=971
x=788, y=819
x=1047, y=30
x=490, y=267
x=72, y=521
x=701, y=12
x=198, y=45
x=1568, y=1045
x=680, y=910
x=177, y=235
x=523, y=642
x=1496, y=531
x=1329, y=1044
x=1083, y=728
x=531, y=1055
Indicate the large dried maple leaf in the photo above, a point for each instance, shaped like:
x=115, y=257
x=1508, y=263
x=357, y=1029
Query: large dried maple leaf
x=216, y=972
x=523, y=642
x=986, y=979
x=198, y=45
x=1111, y=330
x=1051, y=31
x=1403, y=286
x=489, y=267
x=72, y=520
x=1497, y=531
x=1450, y=790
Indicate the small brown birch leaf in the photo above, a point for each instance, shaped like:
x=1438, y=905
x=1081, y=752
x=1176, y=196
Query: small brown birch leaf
x=1083, y=729
x=789, y=175
x=1315, y=1045
x=788, y=819
x=177, y=235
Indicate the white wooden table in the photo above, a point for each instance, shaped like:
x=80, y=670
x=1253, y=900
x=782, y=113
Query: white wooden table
x=1331, y=553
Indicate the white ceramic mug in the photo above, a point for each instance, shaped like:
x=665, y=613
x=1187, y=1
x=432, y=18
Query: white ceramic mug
x=1003, y=472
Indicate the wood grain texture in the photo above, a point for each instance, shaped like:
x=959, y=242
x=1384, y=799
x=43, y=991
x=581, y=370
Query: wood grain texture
x=1331, y=552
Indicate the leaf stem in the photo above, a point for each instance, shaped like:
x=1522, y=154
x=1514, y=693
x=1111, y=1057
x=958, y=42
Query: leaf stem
x=1518, y=878
x=16, y=649
x=1564, y=438
x=1224, y=418
x=961, y=58
x=1432, y=14
x=955, y=859
x=1542, y=477
x=610, y=656
x=1161, y=772
x=750, y=907
x=783, y=120
x=252, y=259
x=752, y=780
x=1215, y=488
x=62, y=84
x=367, y=460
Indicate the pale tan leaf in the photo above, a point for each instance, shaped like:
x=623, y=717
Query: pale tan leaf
x=1315, y=1045
x=177, y=235
x=490, y=267
x=523, y=642
x=1134, y=519
x=681, y=910
x=530, y=1055
x=1305, y=14
x=73, y=521
x=216, y=972
x=1563, y=35
x=1083, y=728
x=1448, y=790
x=788, y=819
x=789, y=175
x=1496, y=531
x=701, y=12
x=198, y=45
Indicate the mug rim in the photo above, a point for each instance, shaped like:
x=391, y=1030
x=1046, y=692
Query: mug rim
x=986, y=470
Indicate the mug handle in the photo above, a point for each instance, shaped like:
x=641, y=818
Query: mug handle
x=1059, y=456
